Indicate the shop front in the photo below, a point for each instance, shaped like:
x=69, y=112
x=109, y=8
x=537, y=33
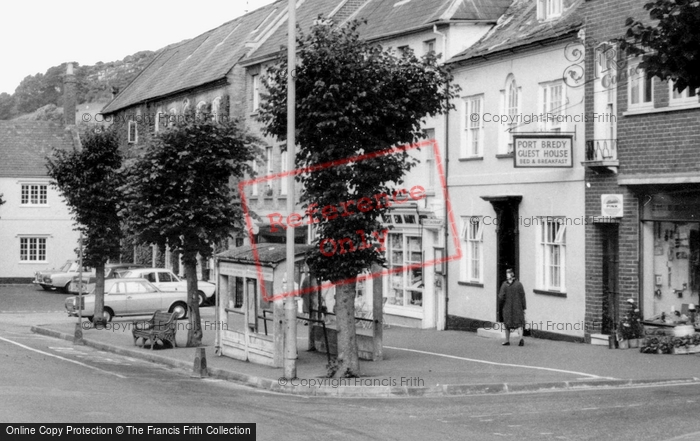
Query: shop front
x=670, y=226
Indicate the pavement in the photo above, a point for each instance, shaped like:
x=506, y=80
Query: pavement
x=416, y=363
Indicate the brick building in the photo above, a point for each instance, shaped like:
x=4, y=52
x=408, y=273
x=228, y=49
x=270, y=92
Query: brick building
x=643, y=169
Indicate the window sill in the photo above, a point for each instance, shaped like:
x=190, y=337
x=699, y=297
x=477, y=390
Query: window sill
x=35, y=206
x=505, y=156
x=474, y=284
x=33, y=262
x=549, y=293
x=669, y=108
x=472, y=158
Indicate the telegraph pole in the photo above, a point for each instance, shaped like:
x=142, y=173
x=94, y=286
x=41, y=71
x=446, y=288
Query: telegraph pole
x=290, y=304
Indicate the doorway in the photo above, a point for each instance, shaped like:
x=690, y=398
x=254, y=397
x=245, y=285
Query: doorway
x=507, y=238
x=610, y=268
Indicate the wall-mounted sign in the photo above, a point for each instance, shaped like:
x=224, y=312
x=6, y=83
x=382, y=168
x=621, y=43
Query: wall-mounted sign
x=543, y=151
x=611, y=205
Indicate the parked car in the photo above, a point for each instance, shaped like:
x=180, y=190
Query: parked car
x=60, y=278
x=127, y=297
x=112, y=271
x=165, y=279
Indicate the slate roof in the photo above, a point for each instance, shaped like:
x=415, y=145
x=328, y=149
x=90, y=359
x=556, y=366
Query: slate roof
x=519, y=27
x=268, y=253
x=192, y=63
x=386, y=17
x=25, y=144
x=210, y=56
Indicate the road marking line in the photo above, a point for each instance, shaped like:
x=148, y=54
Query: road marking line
x=61, y=358
x=500, y=364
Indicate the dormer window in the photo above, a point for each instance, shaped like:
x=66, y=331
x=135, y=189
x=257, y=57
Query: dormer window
x=548, y=9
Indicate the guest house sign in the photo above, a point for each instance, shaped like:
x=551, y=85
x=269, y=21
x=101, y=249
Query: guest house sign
x=543, y=151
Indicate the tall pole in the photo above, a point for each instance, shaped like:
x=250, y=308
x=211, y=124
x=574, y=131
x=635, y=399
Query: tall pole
x=290, y=309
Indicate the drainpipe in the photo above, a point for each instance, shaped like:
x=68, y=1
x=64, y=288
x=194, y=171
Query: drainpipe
x=447, y=160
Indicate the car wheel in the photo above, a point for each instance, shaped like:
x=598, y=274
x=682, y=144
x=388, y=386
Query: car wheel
x=202, y=298
x=66, y=288
x=180, y=310
x=106, y=313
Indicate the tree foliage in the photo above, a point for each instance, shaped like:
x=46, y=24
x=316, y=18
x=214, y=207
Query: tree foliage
x=179, y=193
x=353, y=98
x=671, y=44
x=89, y=179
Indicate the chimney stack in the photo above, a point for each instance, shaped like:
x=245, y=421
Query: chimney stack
x=69, y=98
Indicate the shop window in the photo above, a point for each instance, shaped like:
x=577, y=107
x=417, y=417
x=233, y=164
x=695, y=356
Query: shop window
x=552, y=254
x=472, y=235
x=32, y=249
x=34, y=194
x=405, y=257
x=676, y=268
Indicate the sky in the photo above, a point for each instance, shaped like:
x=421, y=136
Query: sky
x=36, y=35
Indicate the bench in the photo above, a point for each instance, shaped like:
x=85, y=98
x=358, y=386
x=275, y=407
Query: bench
x=162, y=326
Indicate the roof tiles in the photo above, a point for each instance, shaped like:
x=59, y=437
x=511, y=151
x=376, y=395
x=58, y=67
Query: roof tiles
x=24, y=146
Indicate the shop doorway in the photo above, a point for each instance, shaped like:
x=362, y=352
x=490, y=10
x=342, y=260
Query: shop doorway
x=610, y=266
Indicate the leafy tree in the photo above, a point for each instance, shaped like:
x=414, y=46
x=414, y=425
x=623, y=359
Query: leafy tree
x=7, y=106
x=179, y=194
x=353, y=98
x=670, y=46
x=89, y=179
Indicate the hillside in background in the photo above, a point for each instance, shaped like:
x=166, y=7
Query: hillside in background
x=40, y=96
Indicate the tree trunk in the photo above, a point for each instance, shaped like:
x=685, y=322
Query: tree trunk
x=99, y=294
x=348, y=361
x=194, y=333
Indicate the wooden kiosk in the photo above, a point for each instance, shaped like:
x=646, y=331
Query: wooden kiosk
x=250, y=328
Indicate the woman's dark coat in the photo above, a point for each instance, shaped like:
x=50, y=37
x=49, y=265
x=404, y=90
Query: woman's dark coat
x=511, y=301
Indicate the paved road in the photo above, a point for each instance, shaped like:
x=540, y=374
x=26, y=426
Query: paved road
x=50, y=380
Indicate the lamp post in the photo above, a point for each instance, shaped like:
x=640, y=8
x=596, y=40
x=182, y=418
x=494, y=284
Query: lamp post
x=290, y=310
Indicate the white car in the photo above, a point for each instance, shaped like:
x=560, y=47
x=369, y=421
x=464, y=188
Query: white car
x=167, y=281
x=130, y=297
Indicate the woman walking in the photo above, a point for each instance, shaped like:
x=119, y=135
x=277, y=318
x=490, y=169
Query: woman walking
x=511, y=299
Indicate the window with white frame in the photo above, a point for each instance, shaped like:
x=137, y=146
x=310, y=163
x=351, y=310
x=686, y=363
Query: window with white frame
x=687, y=96
x=640, y=89
x=430, y=160
x=133, y=134
x=553, y=103
x=268, y=170
x=32, y=249
x=216, y=108
x=34, y=194
x=254, y=186
x=472, y=234
x=283, y=180
x=552, y=253
x=429, y=46
x=548, y=9
x=510, y=106
x=256, y=92
x=473, y=137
